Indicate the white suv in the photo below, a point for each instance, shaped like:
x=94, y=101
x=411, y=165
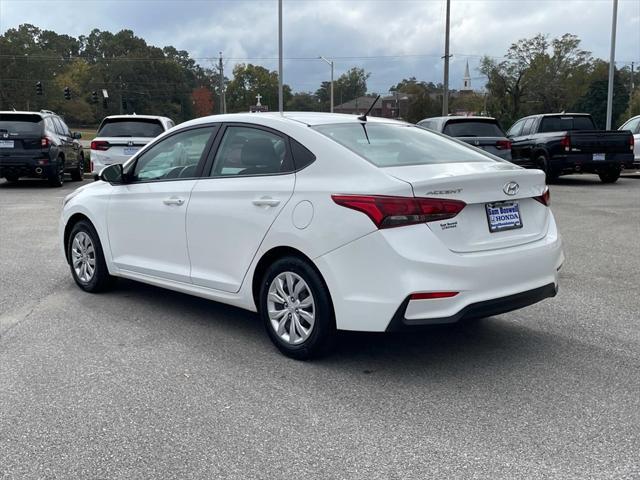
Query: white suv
x=121, y=136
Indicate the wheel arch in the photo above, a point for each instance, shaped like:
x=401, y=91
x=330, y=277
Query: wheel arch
x=73, y=220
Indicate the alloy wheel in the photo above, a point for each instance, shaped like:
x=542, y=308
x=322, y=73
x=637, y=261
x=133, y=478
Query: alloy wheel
x=291, y=308
x=83, y=257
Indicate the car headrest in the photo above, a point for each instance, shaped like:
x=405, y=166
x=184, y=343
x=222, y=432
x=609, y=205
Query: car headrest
x=259, y=152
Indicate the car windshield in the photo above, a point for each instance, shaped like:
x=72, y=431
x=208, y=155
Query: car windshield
x=473, y=128
x=566, y=123
x=125, y=127
x=21, y=124
x=393, y=145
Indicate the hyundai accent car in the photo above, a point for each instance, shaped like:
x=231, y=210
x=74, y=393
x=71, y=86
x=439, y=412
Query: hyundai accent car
x=320, y=222
x=119, y=137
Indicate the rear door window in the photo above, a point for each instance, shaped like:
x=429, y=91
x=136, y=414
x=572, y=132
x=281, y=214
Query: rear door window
x=16, y=124
x=528, y=125
x=127, y=127
x=473, y=128
x=58, y=126
x=516, y=128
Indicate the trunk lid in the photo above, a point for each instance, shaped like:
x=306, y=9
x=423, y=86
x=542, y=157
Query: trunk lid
x=479, y=184
x=121, y=148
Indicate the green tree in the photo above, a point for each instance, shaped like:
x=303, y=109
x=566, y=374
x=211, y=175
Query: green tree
x=348, y=86
x=303, y=102
x=424, y=100
x=594, y=101
x=249, y=81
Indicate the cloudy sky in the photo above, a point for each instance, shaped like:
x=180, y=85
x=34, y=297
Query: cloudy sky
x=391, y=39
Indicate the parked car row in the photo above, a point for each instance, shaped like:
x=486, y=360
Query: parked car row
x=40, y=145
x=558, y=144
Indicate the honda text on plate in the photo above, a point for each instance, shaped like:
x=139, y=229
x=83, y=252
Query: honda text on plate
x=319, y=222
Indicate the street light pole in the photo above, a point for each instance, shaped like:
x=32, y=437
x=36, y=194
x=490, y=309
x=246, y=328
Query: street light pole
x=330, y=62
x=280, y=99
x=612, y=63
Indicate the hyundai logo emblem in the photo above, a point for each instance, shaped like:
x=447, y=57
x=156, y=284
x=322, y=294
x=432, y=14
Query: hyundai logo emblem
x=511, y=188
x=130, y=143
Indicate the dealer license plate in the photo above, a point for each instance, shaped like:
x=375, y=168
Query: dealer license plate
x=130, y=150
x=6, y=143
x=503, y=216
x=599, y=157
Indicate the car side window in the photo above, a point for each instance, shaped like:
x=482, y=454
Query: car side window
x=65, y=129
x=427, y=124
x=526, y=129
x=48, y=123
x=174, y=157
x=516, y=129
x=302, y=156
x=58, y=125
x=250, y=151
x=633, y=125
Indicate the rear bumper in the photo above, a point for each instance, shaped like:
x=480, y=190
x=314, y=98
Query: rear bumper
x=371, y=278
x=486, y=308
x=35, y=166
x=583, y=162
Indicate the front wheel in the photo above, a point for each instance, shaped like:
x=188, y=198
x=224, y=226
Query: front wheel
x=86, y=259
x=296, y=309
x=610, y=176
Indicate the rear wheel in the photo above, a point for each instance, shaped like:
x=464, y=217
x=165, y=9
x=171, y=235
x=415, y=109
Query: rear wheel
x=542, y=162
x=78, y=173
x=86, y=259
x=609, y=176
x=296, y=309
x=56, y=179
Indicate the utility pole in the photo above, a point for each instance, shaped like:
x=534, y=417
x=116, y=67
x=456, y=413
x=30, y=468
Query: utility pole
x=280, y=99
x=612, y=63
x=633, y=87
x=221, y=84
x=445, y=90
x=330, y=62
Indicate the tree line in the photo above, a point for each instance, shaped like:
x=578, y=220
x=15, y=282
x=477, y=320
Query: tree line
x=537, y=75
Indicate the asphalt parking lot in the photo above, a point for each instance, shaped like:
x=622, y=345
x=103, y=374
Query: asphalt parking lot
x=145, y=383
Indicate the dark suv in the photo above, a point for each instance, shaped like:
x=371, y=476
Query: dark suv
x=38, y=145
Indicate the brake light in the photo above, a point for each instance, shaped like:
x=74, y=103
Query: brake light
x=100, y=145
x=388, y=212
x=503, y=145
x=45, y=142
x=432, y=295
x=545, y=198
x=566, y=143
x=632, y=142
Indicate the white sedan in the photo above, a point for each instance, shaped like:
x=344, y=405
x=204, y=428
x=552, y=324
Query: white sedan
x=319, y=222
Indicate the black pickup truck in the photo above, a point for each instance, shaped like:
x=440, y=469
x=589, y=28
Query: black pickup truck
x=564, y=143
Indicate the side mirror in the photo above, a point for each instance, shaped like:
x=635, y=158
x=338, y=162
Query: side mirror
x=113, y=174
x=76, y=135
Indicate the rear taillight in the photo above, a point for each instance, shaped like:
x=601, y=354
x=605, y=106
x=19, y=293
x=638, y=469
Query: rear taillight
x=388, y=212
x=100, y=145
x=45, y=142
x=432, y=295
x=565, y=143
x=545, y=198
x=503, y=145
x=632, y=142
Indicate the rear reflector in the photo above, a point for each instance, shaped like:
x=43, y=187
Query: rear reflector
x=632, y=142
x=565, y=142
x=545, y=198
x=388, y=212
x=46, y=142
x=100, y=145
x=432, y=295
x=503, y=145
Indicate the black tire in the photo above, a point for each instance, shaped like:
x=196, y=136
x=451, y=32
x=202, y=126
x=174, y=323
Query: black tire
x=12, y=178
x=609, y=176
x=100, y=280
x=542, y=162
x=78, y=173
x=56, y=179
x=322, y=334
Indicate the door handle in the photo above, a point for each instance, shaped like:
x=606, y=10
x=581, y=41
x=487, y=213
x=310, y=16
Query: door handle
x=266, y=202
x=173, y=201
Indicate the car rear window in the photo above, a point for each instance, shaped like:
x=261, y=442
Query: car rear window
x=393, y=145
x=473, y=128
x=21, y=124
x=126, y=127
x=566, y=123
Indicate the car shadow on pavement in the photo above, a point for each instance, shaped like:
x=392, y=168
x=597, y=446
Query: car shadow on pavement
x=492, y=342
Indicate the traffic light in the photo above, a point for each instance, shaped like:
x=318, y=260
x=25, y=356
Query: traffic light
x=38, y=88
x=67, y=93
x=94, y=97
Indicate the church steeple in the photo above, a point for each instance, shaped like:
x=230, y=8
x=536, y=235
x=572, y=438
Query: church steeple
x=466, y=80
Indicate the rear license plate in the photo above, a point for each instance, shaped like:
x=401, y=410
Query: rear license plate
x=503, y=216
x=130, y=150
x=6, y=143
x=599, y=157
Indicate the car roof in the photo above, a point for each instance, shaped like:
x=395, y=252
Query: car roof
x=461, y=117
x=275, y=118
x=24, y=112
x=134, y=116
